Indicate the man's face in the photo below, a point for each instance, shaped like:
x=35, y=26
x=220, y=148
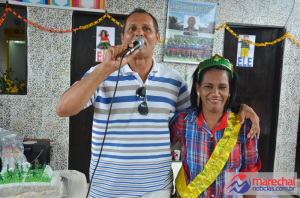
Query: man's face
x=191, y=22
x=141, y=25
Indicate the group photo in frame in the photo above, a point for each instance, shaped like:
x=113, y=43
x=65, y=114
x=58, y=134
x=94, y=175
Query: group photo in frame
x=190, y=31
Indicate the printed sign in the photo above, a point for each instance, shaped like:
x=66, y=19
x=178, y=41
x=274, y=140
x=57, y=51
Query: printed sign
x=105, y=37
x=86, y=5
x=245, y=52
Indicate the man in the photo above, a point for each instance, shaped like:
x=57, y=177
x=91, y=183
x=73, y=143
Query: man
x=191, y=30
x=136, y=157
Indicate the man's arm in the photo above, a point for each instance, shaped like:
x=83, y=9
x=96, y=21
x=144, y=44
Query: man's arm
x=76, y=97
x=246, y=112
x=73, y=100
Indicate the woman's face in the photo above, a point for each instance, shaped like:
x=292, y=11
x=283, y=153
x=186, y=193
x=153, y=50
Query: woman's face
x=103, y=33
x=214, y=90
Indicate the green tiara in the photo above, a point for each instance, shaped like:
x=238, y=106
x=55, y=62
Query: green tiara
x=215, y=60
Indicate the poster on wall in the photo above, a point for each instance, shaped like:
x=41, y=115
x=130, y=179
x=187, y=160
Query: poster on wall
x=245, y=52
x=84, y=5
x=190, y=31
x=105, y=37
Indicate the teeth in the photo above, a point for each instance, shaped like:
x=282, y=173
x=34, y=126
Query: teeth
x=214, y=100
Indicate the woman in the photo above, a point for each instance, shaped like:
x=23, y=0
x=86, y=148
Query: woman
x=212, y=138
x=104, y=42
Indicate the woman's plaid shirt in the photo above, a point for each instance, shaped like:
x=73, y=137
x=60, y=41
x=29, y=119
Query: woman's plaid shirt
x=199, y=143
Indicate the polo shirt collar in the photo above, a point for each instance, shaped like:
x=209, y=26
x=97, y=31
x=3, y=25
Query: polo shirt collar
x=192, y=116
x=221, y=125
x=127, y=70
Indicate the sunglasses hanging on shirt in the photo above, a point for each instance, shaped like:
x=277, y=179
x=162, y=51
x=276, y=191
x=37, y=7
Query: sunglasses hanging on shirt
x=143, y=107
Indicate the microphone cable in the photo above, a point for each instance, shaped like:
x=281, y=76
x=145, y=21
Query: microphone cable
x=106, y=126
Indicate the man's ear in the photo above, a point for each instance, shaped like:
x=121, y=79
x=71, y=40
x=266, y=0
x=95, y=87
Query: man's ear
x=157, y=38
x=122, y=37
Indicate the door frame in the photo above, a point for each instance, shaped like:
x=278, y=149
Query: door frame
x=277, y=84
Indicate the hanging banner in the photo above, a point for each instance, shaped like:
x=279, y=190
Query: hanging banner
x=190, y=31
x=245, y=52
x=105, y=37
x=83, y=5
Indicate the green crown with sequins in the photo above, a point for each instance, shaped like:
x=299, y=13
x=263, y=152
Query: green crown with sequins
x=215, y=60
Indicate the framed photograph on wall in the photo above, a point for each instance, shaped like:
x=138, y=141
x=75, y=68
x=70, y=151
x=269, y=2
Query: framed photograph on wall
x=190, y=31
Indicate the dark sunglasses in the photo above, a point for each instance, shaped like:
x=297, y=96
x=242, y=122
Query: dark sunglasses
x=143, y=107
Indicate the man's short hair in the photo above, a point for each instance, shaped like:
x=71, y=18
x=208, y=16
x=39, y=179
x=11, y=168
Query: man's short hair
x=191, y=18
x=140, y=11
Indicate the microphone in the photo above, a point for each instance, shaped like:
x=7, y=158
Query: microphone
x=138, y=44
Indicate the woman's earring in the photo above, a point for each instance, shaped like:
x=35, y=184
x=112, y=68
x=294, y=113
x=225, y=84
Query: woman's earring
x=198, y=99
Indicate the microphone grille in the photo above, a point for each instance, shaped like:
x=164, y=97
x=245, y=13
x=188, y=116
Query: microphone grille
x=140, y=40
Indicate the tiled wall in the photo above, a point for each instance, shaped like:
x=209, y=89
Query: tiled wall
x=268, y=13
x=34, y=115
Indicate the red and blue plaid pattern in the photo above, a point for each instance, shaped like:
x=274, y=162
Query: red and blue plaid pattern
x=199, y=143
